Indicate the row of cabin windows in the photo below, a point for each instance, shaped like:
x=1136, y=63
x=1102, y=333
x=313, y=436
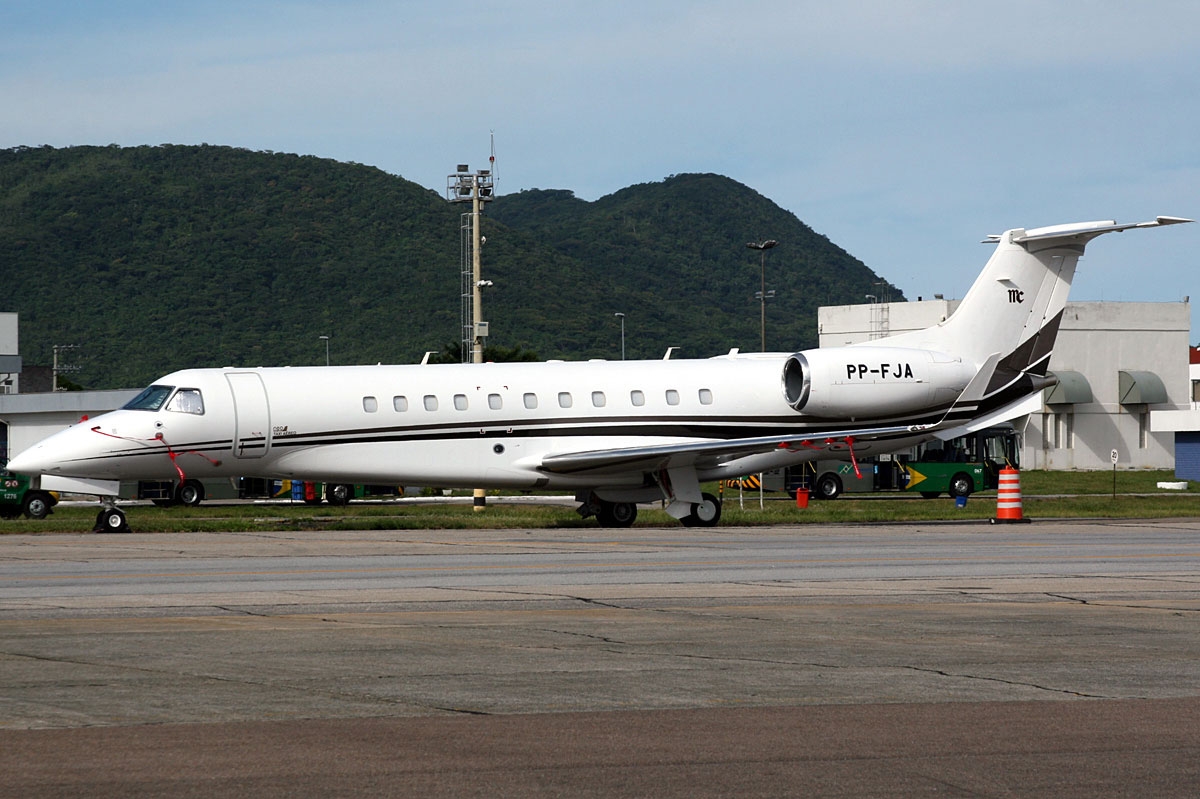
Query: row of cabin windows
x=530, y=401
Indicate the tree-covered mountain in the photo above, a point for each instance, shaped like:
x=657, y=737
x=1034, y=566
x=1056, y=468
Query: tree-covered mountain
x=158, y=258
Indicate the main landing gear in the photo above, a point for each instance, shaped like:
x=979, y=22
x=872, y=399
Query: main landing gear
x=706, y=513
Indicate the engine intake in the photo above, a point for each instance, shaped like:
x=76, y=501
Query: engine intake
x=853, y=382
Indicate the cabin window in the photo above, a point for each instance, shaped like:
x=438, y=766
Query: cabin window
x=400, y=404
x=564, y=399
x=187, y=400
x=460, y=402
x=150, y=399
x=530, y=401
x=598, y=399
x=637, y=398
x=431, y=402
x=495, y=402
x=672, y=396
x=370, y=404
x=705, y=396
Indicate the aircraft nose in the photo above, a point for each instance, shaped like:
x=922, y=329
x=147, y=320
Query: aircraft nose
x=31, y=461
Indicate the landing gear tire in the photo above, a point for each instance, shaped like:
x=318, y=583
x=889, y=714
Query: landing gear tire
x=705, y=513
x=190, y=493
x=338, y=493
x=829, y=486
x=111, y=520
x=37, y=505
x=961, y=485
x=616, y=514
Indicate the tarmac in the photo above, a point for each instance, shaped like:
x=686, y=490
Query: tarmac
x=1050, y=659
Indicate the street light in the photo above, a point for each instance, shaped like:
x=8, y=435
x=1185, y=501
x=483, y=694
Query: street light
x=622, y=318
x=762, y=247
x=326, y=340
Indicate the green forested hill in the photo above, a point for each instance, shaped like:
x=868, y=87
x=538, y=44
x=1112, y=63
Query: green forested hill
x=672, y=256
x=158, y=258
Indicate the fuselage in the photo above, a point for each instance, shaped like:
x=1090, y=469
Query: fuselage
x=487, y=425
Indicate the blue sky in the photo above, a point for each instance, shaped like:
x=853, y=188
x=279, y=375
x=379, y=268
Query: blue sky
x=905, y=132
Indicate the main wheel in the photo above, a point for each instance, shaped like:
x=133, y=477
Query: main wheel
x=616, y=514
x=705, y=513
x=190, y=492
x=961, y=485
x=829, y=486
x=37, y=505
x=338, y=493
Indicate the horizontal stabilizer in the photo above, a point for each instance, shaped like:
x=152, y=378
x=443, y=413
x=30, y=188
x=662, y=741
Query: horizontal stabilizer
x=1084, y=230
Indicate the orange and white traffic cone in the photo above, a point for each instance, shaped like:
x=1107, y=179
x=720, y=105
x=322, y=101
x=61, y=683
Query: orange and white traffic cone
x=1008, y=498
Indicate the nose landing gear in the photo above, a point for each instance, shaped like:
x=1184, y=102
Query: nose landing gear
x=110, y=519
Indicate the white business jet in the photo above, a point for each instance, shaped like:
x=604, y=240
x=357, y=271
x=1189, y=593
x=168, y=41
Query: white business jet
x=617, y=433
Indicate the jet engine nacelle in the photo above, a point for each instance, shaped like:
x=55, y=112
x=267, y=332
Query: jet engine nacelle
x=852, y=382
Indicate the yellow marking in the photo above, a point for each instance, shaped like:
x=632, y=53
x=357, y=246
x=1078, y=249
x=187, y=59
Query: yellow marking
x=914, y=477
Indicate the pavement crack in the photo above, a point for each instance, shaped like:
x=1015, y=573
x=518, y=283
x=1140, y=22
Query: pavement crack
x=1002, y=681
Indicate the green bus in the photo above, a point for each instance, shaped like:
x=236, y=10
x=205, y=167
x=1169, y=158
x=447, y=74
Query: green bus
x=961, y=466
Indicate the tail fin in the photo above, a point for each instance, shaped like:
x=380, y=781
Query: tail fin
x=1016, y=304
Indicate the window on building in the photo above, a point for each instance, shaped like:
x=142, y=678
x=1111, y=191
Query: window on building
x=1064, y=430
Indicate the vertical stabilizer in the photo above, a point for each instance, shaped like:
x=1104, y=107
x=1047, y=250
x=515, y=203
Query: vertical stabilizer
x=1015, y=306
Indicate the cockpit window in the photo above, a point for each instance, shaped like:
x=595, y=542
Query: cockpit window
x=151, y=399
x=187, y=400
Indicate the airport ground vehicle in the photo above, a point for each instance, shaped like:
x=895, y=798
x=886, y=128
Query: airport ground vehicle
x=958, y=467
x=961, y=466
x=16, y=498
x=191, y=492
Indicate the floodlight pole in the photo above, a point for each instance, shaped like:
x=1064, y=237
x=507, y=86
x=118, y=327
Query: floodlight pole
x=477, y=187
x=762, y=247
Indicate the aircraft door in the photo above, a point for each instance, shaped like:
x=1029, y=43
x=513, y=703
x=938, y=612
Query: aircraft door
x=252, y=415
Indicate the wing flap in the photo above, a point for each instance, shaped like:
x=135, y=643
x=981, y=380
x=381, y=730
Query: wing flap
x=700, y=453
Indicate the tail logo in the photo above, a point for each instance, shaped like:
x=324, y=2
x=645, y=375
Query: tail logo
x=1016, y=295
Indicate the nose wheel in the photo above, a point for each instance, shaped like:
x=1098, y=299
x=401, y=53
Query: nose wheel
x=110, y=520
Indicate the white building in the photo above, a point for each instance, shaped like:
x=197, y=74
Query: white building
x=1116, y=363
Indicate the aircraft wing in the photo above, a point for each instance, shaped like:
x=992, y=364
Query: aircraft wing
x=702, y=453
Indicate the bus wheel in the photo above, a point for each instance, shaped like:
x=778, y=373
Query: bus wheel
x=190, y=493
x=829, y=486
x=961, y=485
